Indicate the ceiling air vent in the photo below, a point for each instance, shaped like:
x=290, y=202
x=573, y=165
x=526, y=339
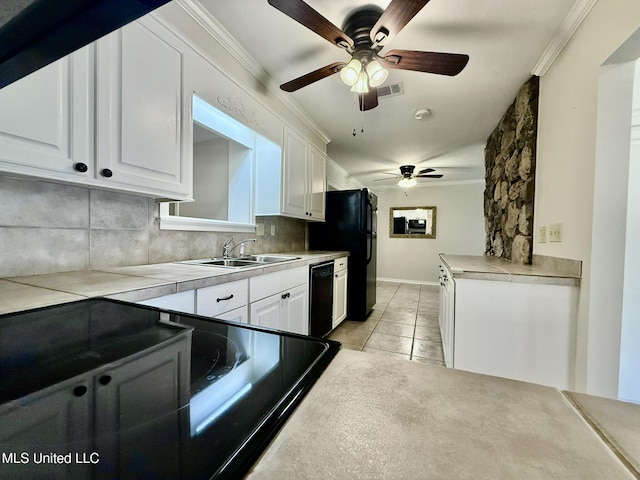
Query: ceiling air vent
x=391, y=90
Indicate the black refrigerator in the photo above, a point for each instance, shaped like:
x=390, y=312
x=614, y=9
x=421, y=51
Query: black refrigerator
x=351, y=226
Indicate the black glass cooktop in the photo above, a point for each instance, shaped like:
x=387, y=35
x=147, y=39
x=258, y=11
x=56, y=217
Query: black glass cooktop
x=107, y=389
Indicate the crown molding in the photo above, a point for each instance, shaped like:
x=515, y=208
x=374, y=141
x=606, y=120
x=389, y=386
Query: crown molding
x=214, y=28
x=573, y=20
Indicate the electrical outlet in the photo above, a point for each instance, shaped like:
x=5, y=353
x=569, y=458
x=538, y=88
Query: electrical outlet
x=555, y=232
x=273, y=229
x=542, y=234
x=260, y=229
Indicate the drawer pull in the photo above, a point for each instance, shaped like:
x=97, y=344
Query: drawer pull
x=286, y=295
x=224, y=298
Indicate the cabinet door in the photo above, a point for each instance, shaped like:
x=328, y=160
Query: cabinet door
x=339, y=297
x=134, y=428
x=57, y=420
x=267, y=312
x=140, y=107
x=294, y=185
x=46, y=127
x=295, y=310
x=317, y=184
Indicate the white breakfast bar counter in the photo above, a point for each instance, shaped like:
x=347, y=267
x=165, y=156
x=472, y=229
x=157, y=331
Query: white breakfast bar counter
x=372, y=416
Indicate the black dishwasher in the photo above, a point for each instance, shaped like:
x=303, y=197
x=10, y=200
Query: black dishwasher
x=321, y=299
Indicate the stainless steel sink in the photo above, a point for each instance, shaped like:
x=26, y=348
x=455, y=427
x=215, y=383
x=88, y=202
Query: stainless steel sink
x=242, y=262
x=269, y=258
x=228, y=262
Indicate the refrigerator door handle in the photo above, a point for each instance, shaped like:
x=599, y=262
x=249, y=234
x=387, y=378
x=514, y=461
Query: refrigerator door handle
x=369, y=225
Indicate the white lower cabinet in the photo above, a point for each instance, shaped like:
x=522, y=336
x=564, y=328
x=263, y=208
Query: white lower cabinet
x=277, y=300
x=287, y=311
x=522, y=331
x=281, y=300
x=339, y=291
x=446, y=315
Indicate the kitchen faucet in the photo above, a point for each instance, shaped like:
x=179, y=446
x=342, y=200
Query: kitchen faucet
x=227, y=249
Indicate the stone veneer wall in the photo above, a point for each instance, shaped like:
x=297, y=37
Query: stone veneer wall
x=47, y=227
x=510, y=159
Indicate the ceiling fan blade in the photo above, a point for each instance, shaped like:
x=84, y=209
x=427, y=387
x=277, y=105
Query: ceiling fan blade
x=312, y=77
x=368, y=100
x=426, y=170
x=430, y=62
x=307, y=16
x=438, y=175
x=394, y=18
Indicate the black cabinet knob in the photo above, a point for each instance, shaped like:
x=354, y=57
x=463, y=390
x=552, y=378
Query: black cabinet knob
x=105, y=172
x=80, y=390
x=80, y=167
x=105, y=379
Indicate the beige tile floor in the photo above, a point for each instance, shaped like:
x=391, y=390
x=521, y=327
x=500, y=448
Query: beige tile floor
x=404, y=324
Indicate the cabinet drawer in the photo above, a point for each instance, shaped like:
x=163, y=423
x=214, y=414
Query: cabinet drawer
x=179, y=302
x=212, y=301
x=340, y=264
x=271, y=283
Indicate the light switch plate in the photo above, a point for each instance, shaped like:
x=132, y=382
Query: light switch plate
x=555, y=232
x=542, y=234
x=273, y=229
x=260, y=229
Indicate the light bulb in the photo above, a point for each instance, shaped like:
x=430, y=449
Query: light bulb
x=377, y=74
x=349, y=73
x=407, y=182
x=362, y=85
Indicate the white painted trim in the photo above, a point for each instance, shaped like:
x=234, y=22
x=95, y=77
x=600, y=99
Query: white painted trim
x=574, y=19
x=214, y=28
x=399, y=280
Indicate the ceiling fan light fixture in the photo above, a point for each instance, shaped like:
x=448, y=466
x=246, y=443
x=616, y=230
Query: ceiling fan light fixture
x=377, y=74
x=362, y=85
x=407, y=182
x=350, y=72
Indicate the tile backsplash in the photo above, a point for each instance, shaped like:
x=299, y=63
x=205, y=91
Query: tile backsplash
x=47, y=227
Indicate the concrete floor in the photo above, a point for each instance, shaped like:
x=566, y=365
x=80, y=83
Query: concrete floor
x=403, y=324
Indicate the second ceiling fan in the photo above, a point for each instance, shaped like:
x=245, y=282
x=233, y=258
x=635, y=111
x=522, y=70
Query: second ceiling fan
x=363, y=35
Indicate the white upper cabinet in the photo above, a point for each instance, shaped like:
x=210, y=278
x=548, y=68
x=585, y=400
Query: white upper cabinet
x=141, y=104
x=300, y=190
x=295, y=175
x=109, y=115
x=46, y=125
x=317, y=184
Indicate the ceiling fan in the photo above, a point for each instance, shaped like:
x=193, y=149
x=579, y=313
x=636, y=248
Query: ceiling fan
x=363, y=35
x=407, y=177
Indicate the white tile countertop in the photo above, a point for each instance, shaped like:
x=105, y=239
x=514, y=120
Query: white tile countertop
x=543, y=270
x=135, y=283
x=376, y=417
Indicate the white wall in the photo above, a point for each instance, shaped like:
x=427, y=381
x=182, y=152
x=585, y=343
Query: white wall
x=566, y=175
x=459, y=229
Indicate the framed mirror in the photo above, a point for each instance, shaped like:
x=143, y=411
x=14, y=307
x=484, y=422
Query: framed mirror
x=412, y=222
